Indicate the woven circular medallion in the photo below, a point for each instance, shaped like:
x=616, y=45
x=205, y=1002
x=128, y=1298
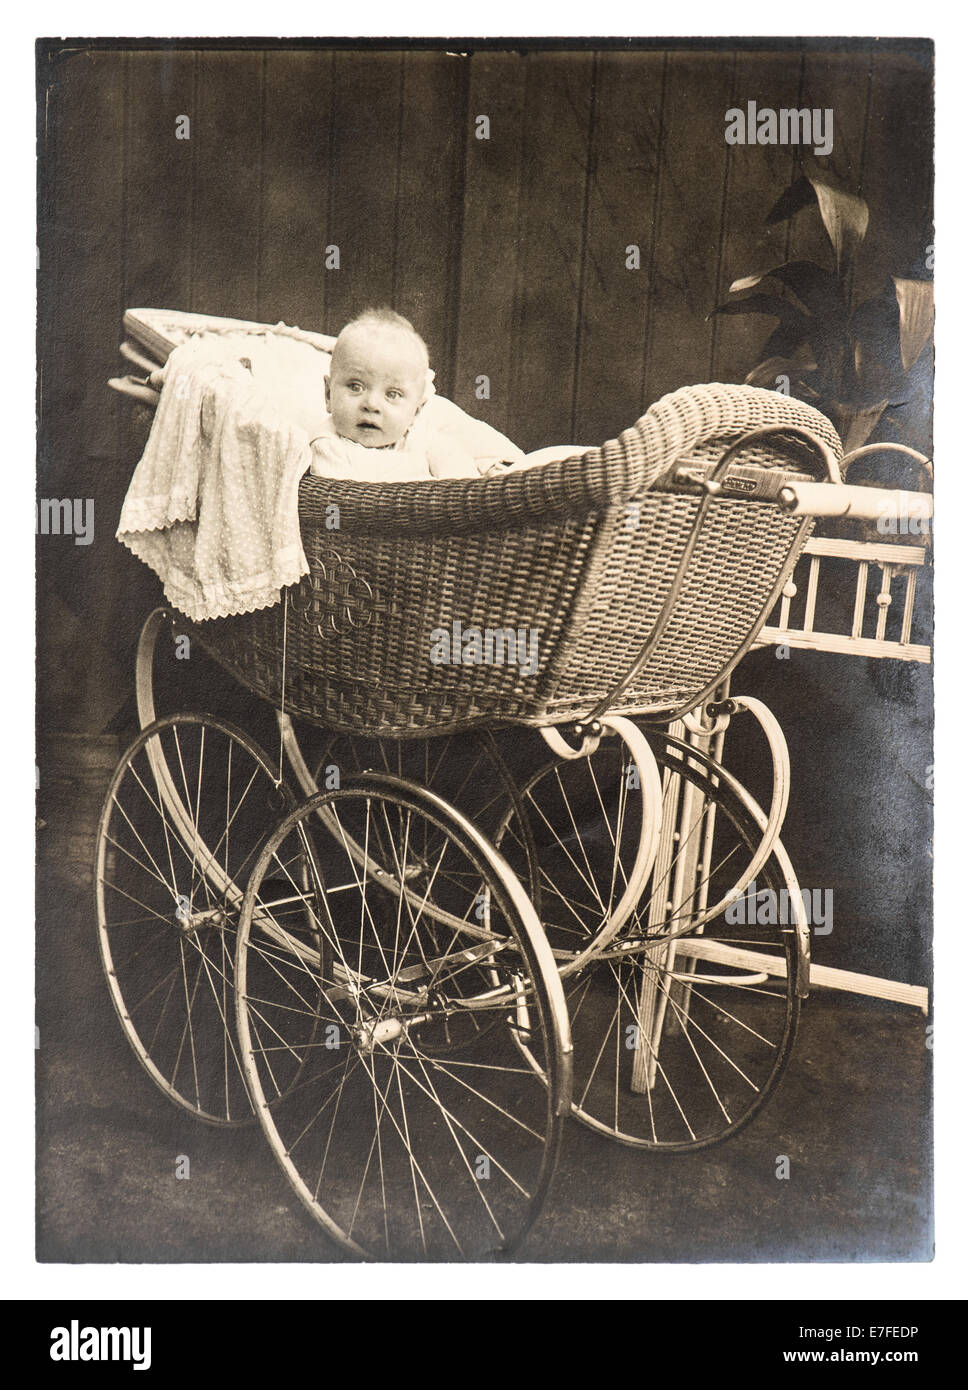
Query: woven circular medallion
x=333, y=598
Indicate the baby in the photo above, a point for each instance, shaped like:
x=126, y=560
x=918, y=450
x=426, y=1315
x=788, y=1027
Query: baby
x=380, y=396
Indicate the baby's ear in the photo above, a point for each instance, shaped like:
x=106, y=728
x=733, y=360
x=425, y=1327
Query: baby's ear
x=326, y=390
x=426, y=389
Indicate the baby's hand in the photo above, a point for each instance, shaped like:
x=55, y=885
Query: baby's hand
x=449, y=462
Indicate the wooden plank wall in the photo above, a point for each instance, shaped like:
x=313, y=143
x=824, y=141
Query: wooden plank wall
x=509, y=253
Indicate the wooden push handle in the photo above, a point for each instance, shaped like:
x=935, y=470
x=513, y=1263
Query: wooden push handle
x=866, y=503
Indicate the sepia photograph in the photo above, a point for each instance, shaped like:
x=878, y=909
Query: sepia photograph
x=485, y=622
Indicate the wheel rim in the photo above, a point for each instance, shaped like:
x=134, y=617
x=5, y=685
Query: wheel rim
x=186, y=813
x=584, y=819
x=415, y=1130
x=680, y=1036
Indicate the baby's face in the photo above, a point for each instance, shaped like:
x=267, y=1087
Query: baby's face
x=376, y=386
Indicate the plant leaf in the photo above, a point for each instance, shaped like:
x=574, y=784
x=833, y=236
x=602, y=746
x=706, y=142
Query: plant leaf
x=845, y=216
x=915, y=300
x=772, y=304
x=793, y=327
x=817, y=289
x=748, y=282
x=877, y=365
x=788, y=339
x=766, y=372
x=863, y=425
x=856, y=425
x=799, y=195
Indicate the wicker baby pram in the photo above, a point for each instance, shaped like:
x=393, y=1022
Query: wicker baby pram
x=639, y=573
x=581, y=552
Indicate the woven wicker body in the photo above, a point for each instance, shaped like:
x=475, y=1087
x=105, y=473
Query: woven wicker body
x=576, y=556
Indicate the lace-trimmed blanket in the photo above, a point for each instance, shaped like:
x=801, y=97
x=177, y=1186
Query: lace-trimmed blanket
x=213, y=503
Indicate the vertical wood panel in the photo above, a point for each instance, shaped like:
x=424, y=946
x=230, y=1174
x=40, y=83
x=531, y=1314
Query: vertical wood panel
x=489, y=245
x=365, y=156
x=159, y=177
x=557, y=124
x=689, y=223
x=54, y=237
x=158, y=200
x=156, y=254
x=295, y=189
x=227, y=136
x=757, y=175
x=429, y=202
x=82, y=275
x=623, y=184
x=85, y=264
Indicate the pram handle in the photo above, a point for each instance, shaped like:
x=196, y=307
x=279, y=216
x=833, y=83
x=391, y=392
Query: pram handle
x=864, y=503
x=713, y=483
x=834, y=497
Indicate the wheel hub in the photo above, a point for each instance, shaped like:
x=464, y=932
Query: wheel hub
x=385, y=1032
x=186, y=921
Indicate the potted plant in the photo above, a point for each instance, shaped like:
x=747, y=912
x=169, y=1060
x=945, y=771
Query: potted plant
x=851, y=361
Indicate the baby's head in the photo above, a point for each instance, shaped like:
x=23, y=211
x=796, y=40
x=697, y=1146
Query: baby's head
x=378, y=378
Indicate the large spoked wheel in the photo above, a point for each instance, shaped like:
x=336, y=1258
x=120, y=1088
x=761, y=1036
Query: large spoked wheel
x=683, y=1024
x=467, y=770
x=414, y=1129
x=188, y=809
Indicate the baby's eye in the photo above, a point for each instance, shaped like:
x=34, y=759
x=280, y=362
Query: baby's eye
x=394, y=395
x=354, y=386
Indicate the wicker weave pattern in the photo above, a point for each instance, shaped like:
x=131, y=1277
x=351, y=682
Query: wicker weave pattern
x=556, y=549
